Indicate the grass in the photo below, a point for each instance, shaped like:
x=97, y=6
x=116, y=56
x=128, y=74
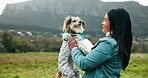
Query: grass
x=137, y=68
x=44, y=65
x=28, y=65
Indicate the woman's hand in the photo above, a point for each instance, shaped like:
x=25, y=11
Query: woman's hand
x=72, y=43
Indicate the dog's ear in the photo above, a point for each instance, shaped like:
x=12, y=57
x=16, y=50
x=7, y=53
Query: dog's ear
x=67, y=21
x=84, y=24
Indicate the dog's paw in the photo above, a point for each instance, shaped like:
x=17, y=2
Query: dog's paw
x=85, y=46
x=66, y=36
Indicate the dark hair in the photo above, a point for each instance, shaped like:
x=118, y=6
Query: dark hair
x=120, y=25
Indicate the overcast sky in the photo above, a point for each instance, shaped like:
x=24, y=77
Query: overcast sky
x=142, y=2
x=4, y=2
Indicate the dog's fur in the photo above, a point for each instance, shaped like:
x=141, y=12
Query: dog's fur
x=73, y=26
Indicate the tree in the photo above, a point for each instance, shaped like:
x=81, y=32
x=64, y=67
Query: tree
x=15, y=44
x=8, y=42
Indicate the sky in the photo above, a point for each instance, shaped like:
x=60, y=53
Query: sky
x=3, y=3
x=142, y=2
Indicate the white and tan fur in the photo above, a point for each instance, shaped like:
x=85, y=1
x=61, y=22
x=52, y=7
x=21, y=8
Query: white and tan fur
x=72, y=26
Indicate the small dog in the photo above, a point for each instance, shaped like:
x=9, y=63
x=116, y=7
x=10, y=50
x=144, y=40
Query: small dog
x=73, y=26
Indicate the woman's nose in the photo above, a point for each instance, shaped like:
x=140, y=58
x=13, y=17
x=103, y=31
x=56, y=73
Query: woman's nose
x=102, y=23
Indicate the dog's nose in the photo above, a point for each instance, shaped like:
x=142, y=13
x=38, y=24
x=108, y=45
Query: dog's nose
x=80, y=22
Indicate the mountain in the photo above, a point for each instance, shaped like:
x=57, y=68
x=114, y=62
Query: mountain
x=50, y=14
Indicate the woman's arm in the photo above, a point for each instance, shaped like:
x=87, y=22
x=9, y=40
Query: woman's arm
x=96, y=57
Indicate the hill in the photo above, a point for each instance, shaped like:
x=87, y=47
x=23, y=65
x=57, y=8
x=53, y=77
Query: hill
x=50, y=14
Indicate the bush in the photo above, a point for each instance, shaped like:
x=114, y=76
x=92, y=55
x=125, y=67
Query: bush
x=14, y=44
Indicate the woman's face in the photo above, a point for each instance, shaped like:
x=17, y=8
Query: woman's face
x=106, y=24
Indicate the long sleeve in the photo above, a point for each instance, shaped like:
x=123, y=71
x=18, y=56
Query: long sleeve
x=64, y=60
x=101, y=53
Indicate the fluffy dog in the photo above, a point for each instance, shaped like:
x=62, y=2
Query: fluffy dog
x=73, y=26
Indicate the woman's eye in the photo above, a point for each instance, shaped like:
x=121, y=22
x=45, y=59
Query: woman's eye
x=74, y=20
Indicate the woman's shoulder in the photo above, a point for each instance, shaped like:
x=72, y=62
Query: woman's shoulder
x=109, y=40
x=106, y=40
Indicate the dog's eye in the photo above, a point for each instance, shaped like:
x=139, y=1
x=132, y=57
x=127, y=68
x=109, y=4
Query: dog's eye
x=74, y=20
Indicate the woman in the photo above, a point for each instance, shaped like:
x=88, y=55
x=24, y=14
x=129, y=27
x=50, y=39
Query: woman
x=110, y=54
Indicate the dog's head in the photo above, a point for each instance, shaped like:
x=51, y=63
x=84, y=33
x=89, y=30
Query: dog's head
x=74, y=24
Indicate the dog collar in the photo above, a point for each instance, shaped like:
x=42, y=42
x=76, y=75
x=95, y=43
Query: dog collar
x=82, y=35
x=73, y=33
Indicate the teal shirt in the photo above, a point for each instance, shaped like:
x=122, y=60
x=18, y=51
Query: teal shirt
x=103, y=61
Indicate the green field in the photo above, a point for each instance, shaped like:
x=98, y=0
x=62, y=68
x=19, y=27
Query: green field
x=44, y=65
